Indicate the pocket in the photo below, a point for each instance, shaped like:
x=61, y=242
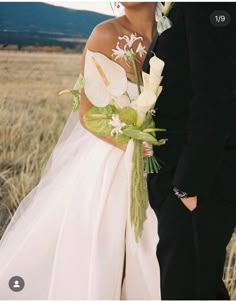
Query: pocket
x=183, y=207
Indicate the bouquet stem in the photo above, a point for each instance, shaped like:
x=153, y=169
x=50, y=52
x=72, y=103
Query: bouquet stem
x=139, y=192
x=151, y=165
x=133, y=61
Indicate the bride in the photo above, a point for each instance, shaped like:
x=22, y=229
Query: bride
x=71, y=236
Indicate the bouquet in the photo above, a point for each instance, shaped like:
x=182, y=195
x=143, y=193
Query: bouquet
x=115, y=113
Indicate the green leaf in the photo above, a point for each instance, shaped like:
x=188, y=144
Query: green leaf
x=79, y=83
x=137, y=134
x=128, y=115
x=75, y=100
x=76, y=91
x=97, y=119
x=148, y=122
x=149, y=130
x=75, y=103
x=161, y=141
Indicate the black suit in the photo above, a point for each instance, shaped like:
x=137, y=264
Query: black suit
x=198, y=109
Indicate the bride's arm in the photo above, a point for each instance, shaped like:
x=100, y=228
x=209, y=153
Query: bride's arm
x=102, y=39
x=85, y=105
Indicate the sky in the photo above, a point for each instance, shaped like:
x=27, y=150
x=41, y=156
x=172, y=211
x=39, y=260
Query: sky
x=103, y=7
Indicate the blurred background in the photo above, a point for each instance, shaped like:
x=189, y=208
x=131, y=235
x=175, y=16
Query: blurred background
x=40, y=55
x=49, y=27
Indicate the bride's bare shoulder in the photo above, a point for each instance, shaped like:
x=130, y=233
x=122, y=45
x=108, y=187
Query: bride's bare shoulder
x=104, y=37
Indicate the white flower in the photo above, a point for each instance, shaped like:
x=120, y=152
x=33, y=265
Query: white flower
x=141, y=49
x=130, y=40
x=143, y=104
x=163, y=23
x=152, y=89
x=104, y=79
x=119, y=53
x=117, y=124
x=152, y=81
x=159, y=10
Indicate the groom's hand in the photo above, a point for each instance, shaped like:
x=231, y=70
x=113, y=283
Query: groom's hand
x=190, y=203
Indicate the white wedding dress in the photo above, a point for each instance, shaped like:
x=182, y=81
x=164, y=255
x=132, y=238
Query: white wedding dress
x=68, y=237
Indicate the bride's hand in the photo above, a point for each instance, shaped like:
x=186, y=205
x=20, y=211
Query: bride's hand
x=190, y=203
x=147, y=149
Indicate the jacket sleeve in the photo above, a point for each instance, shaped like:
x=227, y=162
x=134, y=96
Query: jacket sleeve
x=210, y=110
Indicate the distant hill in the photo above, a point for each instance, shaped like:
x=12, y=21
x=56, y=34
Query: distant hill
x=42, y=24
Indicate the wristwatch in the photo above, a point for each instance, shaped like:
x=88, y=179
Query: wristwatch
x=181, y=194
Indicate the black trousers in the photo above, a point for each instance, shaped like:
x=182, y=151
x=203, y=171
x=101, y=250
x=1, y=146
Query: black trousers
x=192, y=247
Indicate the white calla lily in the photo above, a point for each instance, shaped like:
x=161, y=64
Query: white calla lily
x=143, y=104
x=159, y=91
x=156, y=68
x=104, y=79
x=150, y=85
x=152, y=81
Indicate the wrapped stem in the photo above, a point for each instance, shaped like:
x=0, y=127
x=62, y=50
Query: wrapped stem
x=139, y=192
x=152, y=165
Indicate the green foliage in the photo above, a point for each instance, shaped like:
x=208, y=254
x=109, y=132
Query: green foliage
x=75, y=100
x=137, y=134
x=76, y=92
x=139, y=192
x=148, y=122
x=161, y=142
x=79, y=83
x=97, y=119
x=128, y=115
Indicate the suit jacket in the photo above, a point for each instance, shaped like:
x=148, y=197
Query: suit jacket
x=197, y=105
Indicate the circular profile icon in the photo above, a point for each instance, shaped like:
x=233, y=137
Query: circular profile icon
x=16, y=283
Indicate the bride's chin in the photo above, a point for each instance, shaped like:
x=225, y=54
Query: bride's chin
x=132, y=4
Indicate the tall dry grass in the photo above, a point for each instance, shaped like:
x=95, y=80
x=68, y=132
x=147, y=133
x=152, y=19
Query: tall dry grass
x=32, y=117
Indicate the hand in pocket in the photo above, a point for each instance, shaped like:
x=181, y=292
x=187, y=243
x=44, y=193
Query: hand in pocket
x=190, y=203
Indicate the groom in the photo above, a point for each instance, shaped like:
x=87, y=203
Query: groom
x=194, y=194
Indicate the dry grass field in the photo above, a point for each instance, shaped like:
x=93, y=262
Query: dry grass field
x=32, y=117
